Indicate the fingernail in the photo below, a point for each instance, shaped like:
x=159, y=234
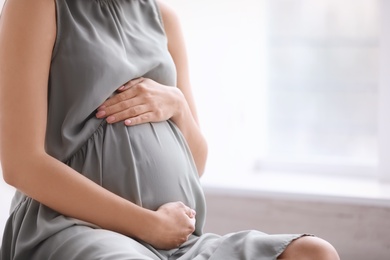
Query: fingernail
x=193, y=212
x=101, y=113
x=127, y=122
x=121, y=88
x=101, y=107
x=110, y=119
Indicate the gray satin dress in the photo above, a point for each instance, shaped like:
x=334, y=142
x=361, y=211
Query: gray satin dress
x=100, y=45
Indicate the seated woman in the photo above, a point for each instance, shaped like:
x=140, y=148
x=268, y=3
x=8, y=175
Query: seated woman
x=100, y=137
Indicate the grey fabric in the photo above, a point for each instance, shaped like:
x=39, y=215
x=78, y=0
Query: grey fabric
x=102, y=44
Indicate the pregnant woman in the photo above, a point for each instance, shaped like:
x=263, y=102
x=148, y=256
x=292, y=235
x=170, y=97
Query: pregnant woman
x=100, y=137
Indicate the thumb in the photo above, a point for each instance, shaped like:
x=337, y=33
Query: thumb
x=190, y=212
x=130, y=84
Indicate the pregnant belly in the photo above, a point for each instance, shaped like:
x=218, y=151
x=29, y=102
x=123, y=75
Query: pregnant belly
x=148, y=164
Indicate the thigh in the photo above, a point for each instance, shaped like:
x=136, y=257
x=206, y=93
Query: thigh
x=81, y=242
x=244, y=245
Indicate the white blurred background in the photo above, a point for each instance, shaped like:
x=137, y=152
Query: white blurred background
x=293, y=98
x=287, y=83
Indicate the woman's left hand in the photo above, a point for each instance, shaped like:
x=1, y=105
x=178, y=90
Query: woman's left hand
x=141, y=100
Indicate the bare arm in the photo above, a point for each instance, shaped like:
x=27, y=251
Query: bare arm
x=144, y=100
x=187, y=119
x=27, y=35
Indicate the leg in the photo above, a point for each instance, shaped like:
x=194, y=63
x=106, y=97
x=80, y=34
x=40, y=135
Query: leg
x=81, y=242
x=244, y=245
x=309, y=248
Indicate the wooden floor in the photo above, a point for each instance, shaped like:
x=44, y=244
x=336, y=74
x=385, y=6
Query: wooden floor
x=358, y=232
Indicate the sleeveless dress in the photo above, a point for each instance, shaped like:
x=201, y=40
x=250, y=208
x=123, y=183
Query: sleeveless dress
x=100, y=45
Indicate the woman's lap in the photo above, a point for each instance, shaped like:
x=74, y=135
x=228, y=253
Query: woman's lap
x=82, y=242
x=243, y=245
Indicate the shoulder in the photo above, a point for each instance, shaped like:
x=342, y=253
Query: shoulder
x=168, y=14
x=29, y=19
x=36, y=4
x=25, y=10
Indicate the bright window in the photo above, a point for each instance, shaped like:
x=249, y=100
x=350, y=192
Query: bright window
x=322, y=88
x=291, y=85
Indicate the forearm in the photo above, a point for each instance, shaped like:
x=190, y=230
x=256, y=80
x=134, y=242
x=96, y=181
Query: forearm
x=59, y=187
x=192, y=133
x=185, y=116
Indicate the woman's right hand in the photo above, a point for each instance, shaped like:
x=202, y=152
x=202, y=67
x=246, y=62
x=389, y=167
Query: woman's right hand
x=175, y=223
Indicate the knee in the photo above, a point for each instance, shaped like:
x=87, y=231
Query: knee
x=309, y=248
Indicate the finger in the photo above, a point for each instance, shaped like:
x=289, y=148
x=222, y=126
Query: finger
x=143, y=118
x=191, y=228
x=116, y=108
x=117, y=98
x=190, y=212
x=193, y=222
x=130, y=84
x=132, y=112
x=119, y=106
